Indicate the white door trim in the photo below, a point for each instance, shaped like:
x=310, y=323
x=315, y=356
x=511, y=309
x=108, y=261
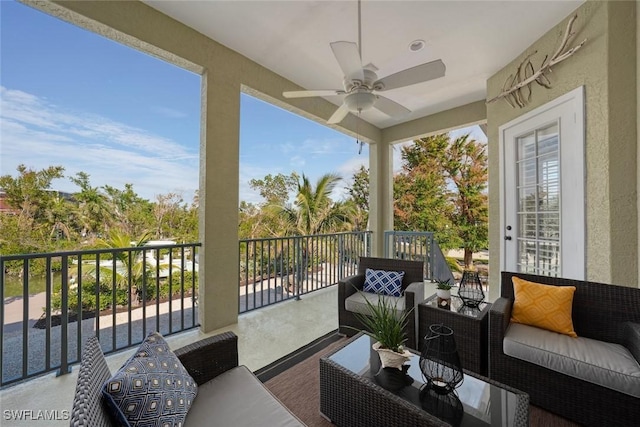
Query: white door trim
x=576, y=172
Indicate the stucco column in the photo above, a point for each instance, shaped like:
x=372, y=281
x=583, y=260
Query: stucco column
x=218, y=196
x=380, y=194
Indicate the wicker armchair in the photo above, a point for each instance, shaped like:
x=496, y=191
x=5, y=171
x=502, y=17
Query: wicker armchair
x=599, y=312
x=413, y=291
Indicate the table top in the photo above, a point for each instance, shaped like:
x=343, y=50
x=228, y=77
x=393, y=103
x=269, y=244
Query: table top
x=484, y=402
x=457, y=306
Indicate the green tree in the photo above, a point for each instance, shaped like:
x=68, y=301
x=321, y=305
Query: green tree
x=31, y=196
x=275, y=189
x=465, y=165
x=359, y=197
x=93, y=209
x=442, y=188
x=420, y=191
x=130, y=213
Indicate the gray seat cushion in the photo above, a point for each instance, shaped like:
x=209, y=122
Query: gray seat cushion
x=237, y=398
x=607, y=364
x=357, y=303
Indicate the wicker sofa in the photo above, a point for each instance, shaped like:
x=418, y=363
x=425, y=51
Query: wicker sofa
x=228, y=394
x=606, y=319
x=413, y=294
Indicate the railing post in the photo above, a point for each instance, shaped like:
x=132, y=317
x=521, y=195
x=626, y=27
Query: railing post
x=341, y=254
x=64, y=323
x=432, y=255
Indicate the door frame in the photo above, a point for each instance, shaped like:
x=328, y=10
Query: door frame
x=576, y=97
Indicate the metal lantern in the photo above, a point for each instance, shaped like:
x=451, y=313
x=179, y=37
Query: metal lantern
x=470, y=290
x=439, y=360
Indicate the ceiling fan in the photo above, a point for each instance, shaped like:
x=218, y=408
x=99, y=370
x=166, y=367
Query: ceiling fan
x=361, y=84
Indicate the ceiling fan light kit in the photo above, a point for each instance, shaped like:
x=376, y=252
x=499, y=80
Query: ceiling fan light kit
x=360, y=82
x=360, y=100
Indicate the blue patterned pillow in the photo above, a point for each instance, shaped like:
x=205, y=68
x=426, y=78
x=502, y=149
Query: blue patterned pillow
x=152, y=388
x=383, y=282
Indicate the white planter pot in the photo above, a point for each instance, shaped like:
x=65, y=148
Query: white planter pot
x=443, y=293
x=391, y=359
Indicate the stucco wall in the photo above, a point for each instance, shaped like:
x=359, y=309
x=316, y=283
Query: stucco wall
x=605, y=68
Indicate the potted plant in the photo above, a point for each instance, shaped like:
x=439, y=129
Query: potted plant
x=443, y=292
x=387, y=327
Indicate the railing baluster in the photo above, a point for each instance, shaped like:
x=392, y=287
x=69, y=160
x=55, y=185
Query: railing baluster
x=47, y=313
x=25, y=317
x=80, y=308
x=97, y=291
x=64, y=341
x=114, y=291
x=2, y=273
x=170, y=289
x=158, y=290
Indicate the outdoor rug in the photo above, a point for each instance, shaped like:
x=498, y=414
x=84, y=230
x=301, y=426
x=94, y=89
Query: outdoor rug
x=297, y=385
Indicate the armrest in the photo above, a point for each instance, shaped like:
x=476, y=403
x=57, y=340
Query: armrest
x=210, y=357
x=349, y=286
x=499, y=318
x=414, y=295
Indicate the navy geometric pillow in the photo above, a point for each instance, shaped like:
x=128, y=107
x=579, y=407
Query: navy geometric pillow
x=152, y=388
x=383, y=282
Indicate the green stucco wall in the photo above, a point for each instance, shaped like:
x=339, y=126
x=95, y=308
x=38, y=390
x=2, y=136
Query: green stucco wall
x=606, y=67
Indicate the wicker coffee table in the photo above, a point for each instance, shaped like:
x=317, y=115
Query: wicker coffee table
x=470, y=329
x=350, y=394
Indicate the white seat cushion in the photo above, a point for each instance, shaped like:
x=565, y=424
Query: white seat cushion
x=357, y=303
x=607, y=364
x=237, y=398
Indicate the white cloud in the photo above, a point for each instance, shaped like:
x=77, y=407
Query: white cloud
x=297, y=161
x=39, y=134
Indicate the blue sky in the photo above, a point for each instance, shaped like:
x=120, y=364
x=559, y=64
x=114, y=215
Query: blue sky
x=72, y=98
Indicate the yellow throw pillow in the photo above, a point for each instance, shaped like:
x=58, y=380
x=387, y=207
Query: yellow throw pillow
x=544, y=306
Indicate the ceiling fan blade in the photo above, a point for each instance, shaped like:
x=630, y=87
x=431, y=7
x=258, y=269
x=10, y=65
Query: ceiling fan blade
x=348, y=58
x=410, y=76
x=390, y=108
x=308, y=93
x=339, y=114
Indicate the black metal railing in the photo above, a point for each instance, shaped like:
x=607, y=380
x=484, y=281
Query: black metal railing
x=279, y=268
x=418, y=246
x=54, y=301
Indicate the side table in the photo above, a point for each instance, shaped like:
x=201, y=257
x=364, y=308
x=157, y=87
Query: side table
x=470, y=329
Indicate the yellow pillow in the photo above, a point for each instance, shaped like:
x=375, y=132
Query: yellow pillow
x=544, y=306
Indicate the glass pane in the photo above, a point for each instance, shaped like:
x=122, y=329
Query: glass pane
x=526, y=253
x=549, y=258
x=526, y=146
x=527, y=173
x=527, y=198
x=549, y=226
x=548, y=139
x=527, y=226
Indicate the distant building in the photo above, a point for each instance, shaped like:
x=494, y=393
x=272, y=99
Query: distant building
x=5, y=208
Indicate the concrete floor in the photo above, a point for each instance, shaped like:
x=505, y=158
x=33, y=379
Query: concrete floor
x=264, y=336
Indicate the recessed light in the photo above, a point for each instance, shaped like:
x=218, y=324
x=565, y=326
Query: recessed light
x=416, y=45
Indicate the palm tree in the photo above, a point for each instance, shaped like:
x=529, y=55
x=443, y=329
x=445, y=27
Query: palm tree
x=314, y=211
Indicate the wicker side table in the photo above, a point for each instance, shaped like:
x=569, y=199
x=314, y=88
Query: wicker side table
x=470, y=328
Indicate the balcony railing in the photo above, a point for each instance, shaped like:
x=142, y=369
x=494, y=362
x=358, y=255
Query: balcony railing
x=116, y=294
x=280, y=268
x=418, y=246
x=54, y=301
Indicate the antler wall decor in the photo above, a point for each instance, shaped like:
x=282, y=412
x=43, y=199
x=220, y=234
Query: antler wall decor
x=515, y=85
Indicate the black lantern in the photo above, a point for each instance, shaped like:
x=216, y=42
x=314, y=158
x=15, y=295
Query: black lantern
x=470, y=290
x=439, y=360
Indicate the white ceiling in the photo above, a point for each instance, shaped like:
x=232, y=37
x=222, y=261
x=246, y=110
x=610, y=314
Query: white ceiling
x=474, y=39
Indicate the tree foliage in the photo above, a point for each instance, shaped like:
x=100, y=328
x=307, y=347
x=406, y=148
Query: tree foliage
x=42, y=219
x=442, y=188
